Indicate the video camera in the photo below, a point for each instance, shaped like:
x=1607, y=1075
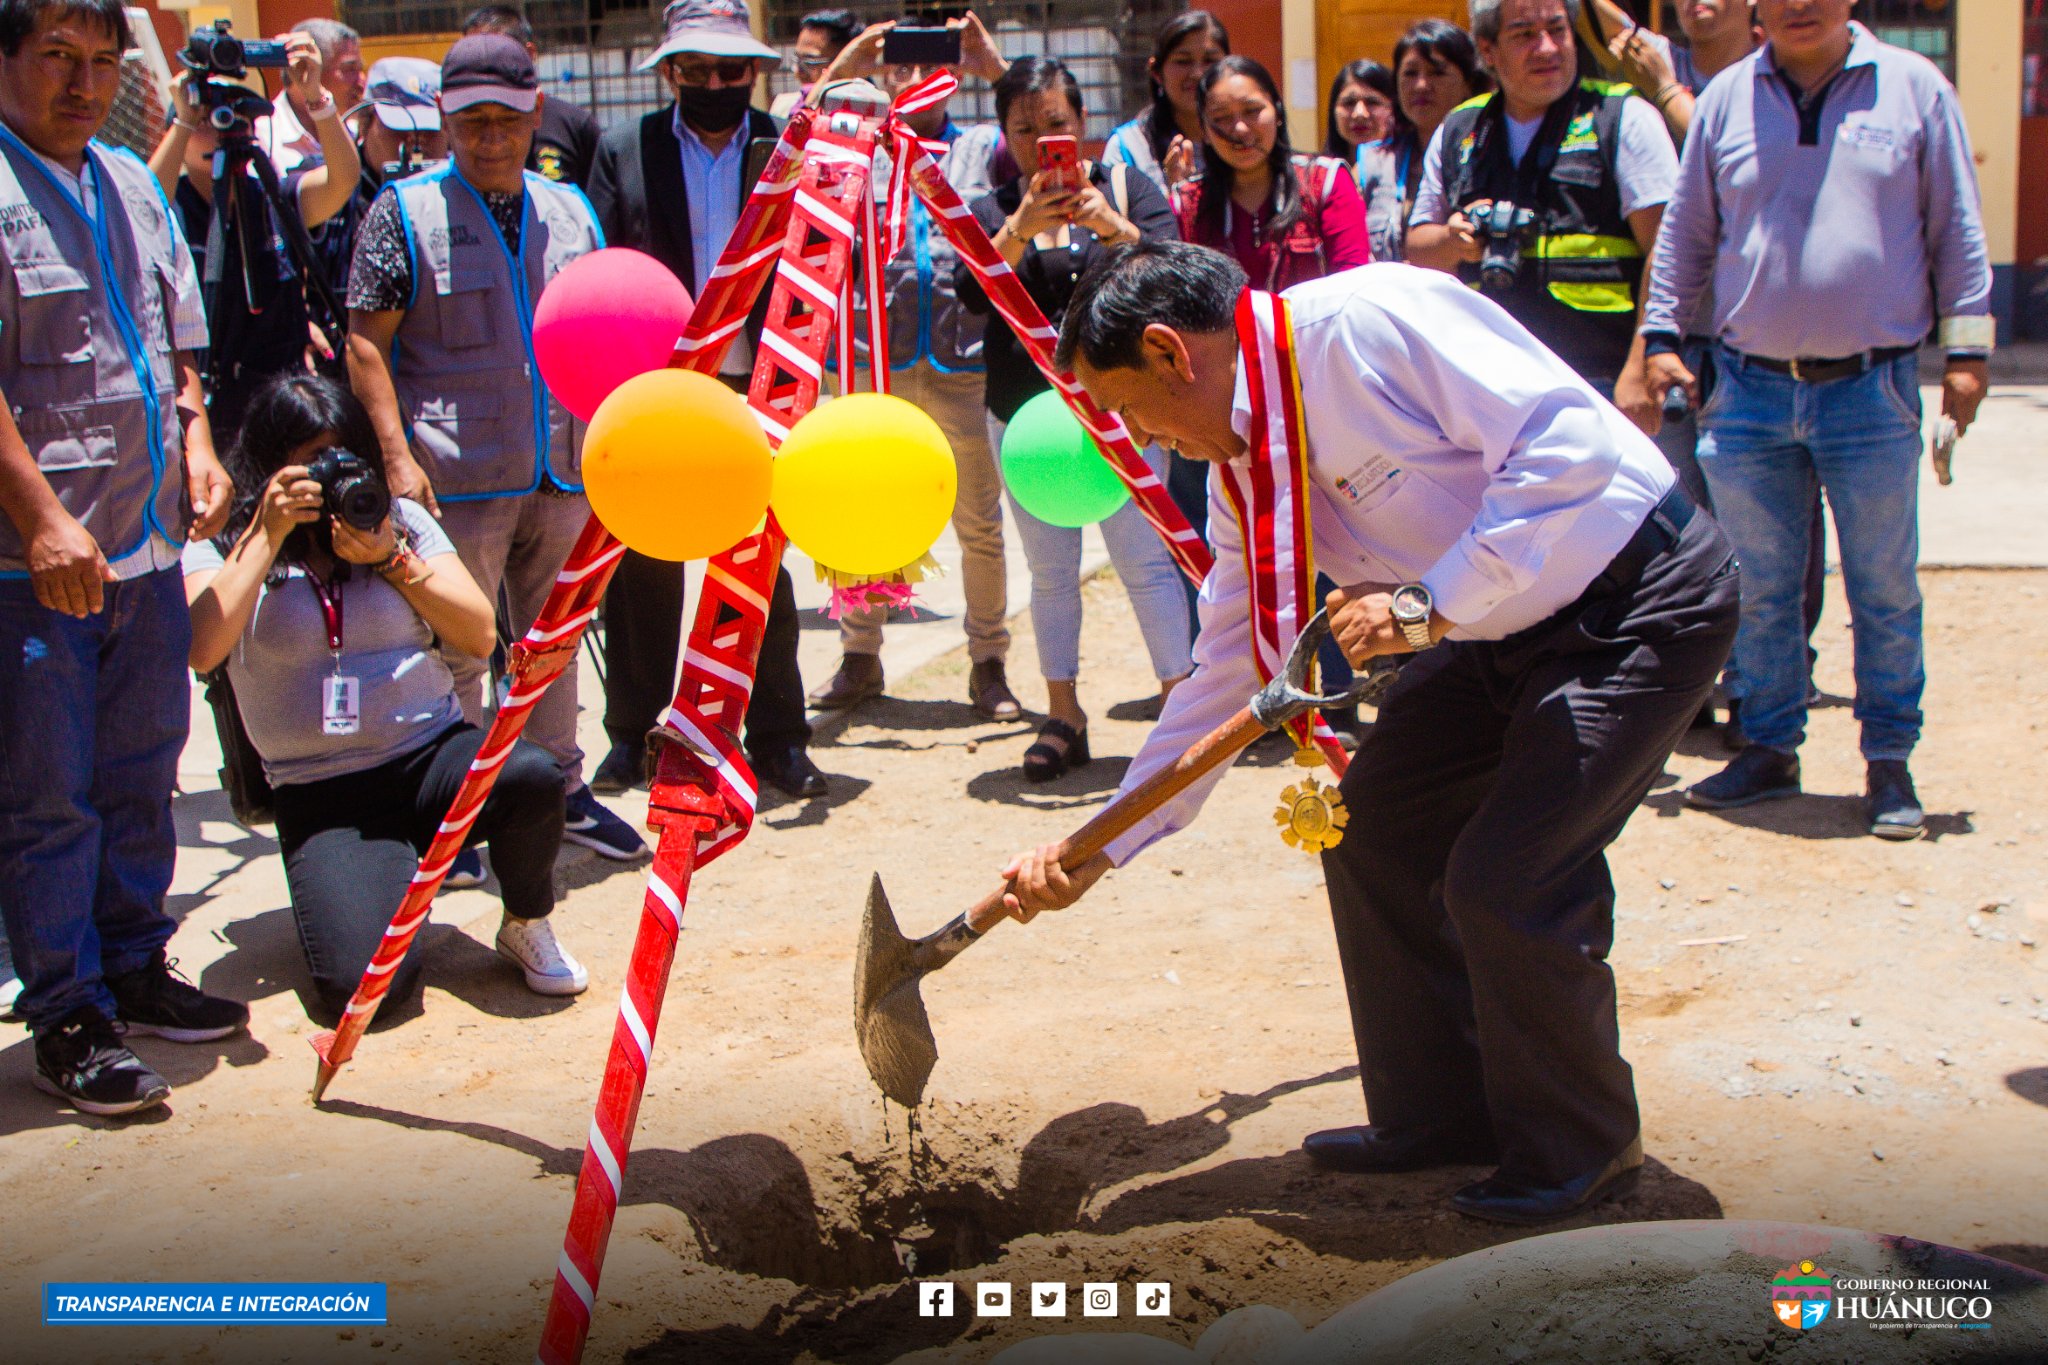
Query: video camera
x=1503, y=229
x=218, y=60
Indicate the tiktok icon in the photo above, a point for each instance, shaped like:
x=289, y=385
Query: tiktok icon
x=1155, y=1300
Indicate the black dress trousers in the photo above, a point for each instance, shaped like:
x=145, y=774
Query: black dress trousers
x=1471, y=897
x=643, y=630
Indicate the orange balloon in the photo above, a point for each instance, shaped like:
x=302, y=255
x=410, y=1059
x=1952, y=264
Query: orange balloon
x=676, y=465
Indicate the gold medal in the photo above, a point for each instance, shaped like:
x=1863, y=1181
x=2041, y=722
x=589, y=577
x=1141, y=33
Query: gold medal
x=1311, y=816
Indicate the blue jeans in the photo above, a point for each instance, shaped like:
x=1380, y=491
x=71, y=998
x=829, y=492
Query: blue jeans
x=1150, y=577
x=1766, y=441
x=93, y=716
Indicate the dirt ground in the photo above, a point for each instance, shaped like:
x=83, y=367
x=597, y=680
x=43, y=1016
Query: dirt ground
x=1121, y=1089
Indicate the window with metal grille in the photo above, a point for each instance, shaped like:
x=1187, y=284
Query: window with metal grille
x=1927, y=27
x=591, y=49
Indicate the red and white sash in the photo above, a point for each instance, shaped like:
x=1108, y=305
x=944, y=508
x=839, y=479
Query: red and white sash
x=1270, y=497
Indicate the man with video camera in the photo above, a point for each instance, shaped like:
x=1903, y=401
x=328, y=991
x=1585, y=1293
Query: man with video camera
x=448, y=267
x=1548, y=193
x=106, y=469
x=256, y=288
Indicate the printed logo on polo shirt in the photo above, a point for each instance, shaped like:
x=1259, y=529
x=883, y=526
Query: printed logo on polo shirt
x=1864, y=135
x=549, y=159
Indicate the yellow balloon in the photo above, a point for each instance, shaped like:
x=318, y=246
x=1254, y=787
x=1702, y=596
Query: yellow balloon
x=864, y=484
x=676, y=465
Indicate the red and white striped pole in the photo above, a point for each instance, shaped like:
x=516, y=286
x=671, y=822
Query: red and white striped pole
x=703, y=793
x=539, y=658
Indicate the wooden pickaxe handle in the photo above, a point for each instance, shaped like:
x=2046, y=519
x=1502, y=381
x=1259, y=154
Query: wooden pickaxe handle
x=1119, y=816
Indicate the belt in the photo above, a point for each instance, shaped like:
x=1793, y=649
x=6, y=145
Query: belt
x=1806, y=370
x=1659, y=532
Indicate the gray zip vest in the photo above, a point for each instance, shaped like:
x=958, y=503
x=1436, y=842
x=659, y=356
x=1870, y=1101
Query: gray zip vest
x=483, y=425
x=86, y=359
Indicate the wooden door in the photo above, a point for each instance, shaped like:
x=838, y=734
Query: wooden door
x=1349, y=29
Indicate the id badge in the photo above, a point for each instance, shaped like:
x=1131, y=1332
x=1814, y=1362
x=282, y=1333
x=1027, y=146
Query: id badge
x=340, y=711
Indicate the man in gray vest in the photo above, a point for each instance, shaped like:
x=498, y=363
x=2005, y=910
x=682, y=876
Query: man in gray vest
x=106, y=469
x=441, y=295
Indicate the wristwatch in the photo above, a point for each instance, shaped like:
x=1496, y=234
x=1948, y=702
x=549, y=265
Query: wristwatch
x=1412, y=606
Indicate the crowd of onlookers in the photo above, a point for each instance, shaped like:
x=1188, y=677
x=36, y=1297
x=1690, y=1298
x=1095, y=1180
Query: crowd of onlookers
x=294, y=441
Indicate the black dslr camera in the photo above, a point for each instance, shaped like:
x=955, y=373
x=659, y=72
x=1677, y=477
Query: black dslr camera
x=217, y=60
x=354, y=491
x=1503, y=230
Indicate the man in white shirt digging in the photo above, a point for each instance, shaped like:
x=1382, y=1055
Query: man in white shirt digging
x=1489, y=512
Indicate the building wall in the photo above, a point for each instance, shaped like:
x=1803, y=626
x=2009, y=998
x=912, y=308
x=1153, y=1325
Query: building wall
x=1988, y=81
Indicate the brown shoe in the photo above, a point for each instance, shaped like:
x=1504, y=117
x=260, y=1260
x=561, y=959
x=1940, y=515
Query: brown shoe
x=988, y=692
x=859, y=677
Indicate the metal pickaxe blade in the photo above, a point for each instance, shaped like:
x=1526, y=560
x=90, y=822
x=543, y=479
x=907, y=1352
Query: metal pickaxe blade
x=889, y=1018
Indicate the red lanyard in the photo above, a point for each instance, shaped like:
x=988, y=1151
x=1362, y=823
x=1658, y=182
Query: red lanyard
x=330, y=610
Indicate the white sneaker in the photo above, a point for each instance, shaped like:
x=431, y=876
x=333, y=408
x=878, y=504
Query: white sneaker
x=529, y=944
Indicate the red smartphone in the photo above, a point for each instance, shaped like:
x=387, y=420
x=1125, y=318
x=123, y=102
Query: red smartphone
x=1059, y=156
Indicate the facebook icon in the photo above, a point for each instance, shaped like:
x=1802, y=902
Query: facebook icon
x=934, y=1300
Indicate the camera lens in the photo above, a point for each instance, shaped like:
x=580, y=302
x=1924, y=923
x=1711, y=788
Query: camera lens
x=361, y=502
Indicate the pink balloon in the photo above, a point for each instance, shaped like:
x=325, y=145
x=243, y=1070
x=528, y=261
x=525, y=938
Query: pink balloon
x=605, y=318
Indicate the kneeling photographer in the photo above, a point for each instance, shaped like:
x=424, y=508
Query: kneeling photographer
x=244, y=225
x=1548, y=194
x=328, y=600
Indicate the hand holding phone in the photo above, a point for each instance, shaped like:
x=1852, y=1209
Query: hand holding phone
x=1059, y=158
x=927, y=47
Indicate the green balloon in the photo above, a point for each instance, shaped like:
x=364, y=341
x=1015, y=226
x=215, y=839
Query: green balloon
x=1053, y=467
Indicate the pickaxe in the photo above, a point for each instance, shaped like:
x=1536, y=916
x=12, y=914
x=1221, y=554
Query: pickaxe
x=889, y=1016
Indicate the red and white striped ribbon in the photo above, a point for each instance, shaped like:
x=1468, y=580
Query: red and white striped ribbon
x=1269, y=493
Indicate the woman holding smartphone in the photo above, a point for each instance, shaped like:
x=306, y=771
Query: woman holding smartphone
x=1050, y=223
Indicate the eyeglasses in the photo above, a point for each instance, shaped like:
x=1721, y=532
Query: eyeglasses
x=813, y=63
x=730, y=71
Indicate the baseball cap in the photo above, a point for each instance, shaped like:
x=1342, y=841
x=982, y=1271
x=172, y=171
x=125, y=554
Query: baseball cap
x=488, y=68
x=404, y=91
x=716, y=28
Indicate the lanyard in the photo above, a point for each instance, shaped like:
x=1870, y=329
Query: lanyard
x=330, y=612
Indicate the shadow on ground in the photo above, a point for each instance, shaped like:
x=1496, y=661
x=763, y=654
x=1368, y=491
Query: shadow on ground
x=1809, y=816
x=753, y=1209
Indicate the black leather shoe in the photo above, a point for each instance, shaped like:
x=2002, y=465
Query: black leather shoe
x=1500, y=1199
x=623, y=769
x=788, y=768
x=1382, y=1151
x=1756, y=774
x=1891, y=802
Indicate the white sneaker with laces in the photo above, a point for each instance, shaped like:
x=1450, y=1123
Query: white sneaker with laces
x=530, y=945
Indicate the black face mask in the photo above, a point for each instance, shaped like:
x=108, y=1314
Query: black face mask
x=711, y=110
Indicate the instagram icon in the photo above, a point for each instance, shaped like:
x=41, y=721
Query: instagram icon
x=1098, y=1300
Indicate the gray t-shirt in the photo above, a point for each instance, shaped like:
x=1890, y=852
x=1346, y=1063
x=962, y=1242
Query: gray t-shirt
x=280, y=665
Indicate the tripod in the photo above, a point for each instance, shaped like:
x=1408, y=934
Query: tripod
x=233, y=199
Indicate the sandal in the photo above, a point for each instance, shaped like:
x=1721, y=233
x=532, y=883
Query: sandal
x=1045, y=760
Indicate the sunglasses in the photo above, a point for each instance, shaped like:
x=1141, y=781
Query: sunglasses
x=730, y=71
